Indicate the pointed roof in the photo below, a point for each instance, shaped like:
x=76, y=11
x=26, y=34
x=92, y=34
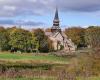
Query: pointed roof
x=56, y=15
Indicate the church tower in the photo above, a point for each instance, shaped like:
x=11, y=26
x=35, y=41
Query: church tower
x=55, y=27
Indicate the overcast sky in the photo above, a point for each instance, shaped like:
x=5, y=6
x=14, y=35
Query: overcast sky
x=40, y=13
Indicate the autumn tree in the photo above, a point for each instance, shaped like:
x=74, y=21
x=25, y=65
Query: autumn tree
x=76, y=34
x=92, y=36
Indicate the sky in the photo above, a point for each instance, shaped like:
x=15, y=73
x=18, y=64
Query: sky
x=40, y=13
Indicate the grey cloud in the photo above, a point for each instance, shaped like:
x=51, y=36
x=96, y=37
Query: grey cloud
x=40, y=7
x=79, y=5
x=23, y=7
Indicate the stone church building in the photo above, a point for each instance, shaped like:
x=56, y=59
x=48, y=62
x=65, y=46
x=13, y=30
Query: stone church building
x=58, y=37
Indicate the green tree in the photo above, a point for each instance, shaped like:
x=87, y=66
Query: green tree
x=21, y=40
x=42, y=39
x=34, y=44
x=9, y=30
x=3, y=39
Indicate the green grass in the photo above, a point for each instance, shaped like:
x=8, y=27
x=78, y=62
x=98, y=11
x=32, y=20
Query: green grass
x=16, y=56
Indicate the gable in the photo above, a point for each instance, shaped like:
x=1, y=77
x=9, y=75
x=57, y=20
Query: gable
x=58, y=36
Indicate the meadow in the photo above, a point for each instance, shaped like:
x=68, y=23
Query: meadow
x=28, y=66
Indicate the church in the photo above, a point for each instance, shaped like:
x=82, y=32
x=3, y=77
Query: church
x=59, y=39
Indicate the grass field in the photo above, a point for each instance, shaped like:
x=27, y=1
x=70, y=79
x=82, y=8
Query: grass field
x=6, y=56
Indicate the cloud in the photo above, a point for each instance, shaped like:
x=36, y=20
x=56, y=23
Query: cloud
x=79, y=5
x=28, y=23
x=40, y=7
x=20, y=22
x=16, y=8
x=10, y=8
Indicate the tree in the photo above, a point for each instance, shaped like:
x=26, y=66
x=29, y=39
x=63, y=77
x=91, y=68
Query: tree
x=92, y=37
x=3, y=39
x=8, y=31
x=42, y=39
x=76, y=34
x=34, y=43
x=21, y=40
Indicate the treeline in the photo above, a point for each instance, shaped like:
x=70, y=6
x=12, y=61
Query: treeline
x=84, y=37
x=17, y=39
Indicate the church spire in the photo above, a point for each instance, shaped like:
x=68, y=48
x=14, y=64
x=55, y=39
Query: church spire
x=56, y=15
x=55, y=27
